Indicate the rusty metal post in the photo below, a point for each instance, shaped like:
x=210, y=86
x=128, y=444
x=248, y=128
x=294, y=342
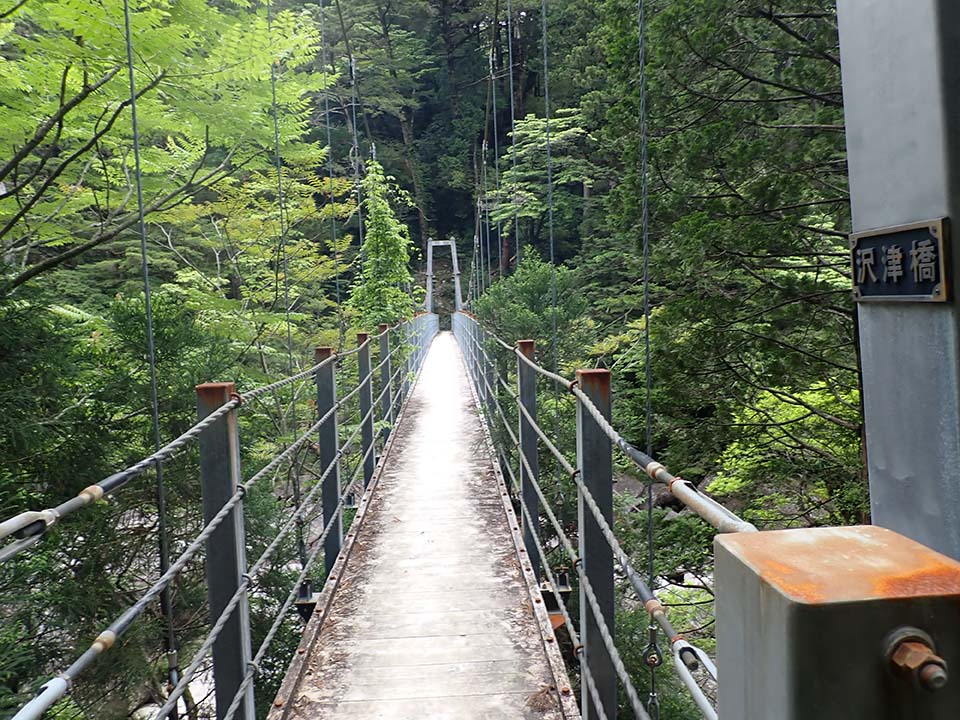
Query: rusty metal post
x=364, y=377
x=329, y=439
x=226, y=561
x=386, y=372
x=595, y=467
x=527, y=392
x=849, y=623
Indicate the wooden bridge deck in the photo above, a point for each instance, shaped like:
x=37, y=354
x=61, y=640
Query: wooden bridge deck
x=430, y=610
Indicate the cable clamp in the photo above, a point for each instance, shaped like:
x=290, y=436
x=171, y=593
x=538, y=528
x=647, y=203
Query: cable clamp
x=574, y=473
x=574, y=384
x=251, y=665
x=27, y=528
x=578, y=649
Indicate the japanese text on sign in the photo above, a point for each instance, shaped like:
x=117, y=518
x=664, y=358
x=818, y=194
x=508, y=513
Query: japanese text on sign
x=902, y=263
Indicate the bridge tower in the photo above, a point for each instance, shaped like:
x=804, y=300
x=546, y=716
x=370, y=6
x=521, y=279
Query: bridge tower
x=901, y=87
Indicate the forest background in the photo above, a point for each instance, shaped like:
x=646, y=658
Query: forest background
x=755, y=368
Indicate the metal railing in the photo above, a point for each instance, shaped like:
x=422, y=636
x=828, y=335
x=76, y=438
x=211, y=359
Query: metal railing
x=598, y=552
x=229, y=578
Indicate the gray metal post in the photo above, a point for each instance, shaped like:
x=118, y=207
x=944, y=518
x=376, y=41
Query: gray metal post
x=478, y=362
x=386, y=372
x=901, y=71
x=428, y=302
x=490, y=378
x=835, y=624
x=527, y=392
x=595, y=466
x=226, y=548
x=329, y=438
x=409, y=350
x=365, y=379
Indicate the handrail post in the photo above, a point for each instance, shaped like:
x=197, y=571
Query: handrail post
x=477, y=348
x=595, y=468
x=366, y=404
x=489, y=378
x=386, y=401
x=329, y=454
x=226, y=547
x=407, y=359
x=474, y=329
x=527, y=393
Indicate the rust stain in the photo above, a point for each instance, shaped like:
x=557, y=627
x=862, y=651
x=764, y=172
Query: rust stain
x=939, y=579
x=792, y=581
x=826, y=565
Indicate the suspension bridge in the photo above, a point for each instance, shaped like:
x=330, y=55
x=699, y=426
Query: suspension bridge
x=458, y=589
x=445, y=597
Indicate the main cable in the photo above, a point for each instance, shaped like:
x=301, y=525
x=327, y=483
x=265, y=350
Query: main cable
x=652, y=654
x=513, y=133
x=496, y=149
x=356, y=150
x=553, y=265
x=166, y=599
x=333, y=215
x=295, y=475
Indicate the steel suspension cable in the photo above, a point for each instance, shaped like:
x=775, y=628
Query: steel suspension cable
x=333, y=215
x=513, y=133
x=550, y=234
x=356, y=150
x=652, y=652
x=496, y=148
x=166, y=599
x=281, y=218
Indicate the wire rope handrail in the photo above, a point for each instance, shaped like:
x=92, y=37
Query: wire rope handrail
x=711, y=511
x=55, y=688
x=687, y=657
x=28, y=527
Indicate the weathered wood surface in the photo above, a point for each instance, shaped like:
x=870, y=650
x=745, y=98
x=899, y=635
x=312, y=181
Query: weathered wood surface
x=433, y=614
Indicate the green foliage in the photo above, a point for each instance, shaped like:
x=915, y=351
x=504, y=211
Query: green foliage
x=381, y=292
x=521, y=307
x=756, y=381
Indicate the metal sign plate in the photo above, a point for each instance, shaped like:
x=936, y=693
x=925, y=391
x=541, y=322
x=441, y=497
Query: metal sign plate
x=904, y=263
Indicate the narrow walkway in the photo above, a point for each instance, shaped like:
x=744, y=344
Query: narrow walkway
x=433, y=615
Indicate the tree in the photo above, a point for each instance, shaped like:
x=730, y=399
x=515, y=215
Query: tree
x=381, y=292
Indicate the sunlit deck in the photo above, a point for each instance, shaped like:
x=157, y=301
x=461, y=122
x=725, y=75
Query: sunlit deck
x=430, y=611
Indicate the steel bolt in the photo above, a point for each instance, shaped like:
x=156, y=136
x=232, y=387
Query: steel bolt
x=916, y=659
x=933, y=676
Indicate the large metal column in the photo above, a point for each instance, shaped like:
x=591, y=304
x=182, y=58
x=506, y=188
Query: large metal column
x=226, y=561
x=901, y=88
x=329, y=439
x=853, y=623
x=527, y=392
x=595, y=466
x=365, y=378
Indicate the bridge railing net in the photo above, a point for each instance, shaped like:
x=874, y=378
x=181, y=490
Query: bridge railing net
x=387, y=381
x=489, y=361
